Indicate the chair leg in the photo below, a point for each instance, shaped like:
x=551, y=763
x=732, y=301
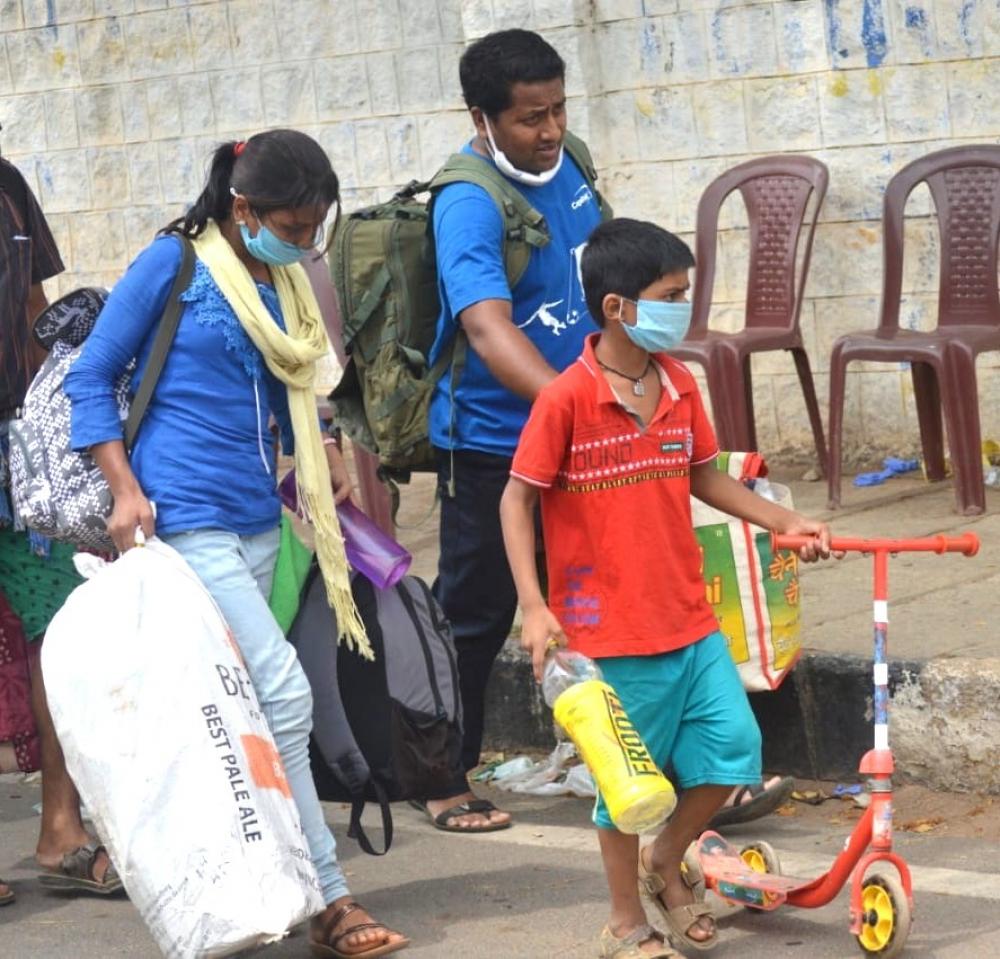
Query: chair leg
x=812, y=405
x=727, y=387
x=961, y=410
x=749, y=418
x=716, y=378
x=927, y=394
x=838, y=377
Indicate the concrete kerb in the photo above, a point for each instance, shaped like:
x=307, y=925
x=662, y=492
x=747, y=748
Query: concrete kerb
x=944, y=718
x=945, y=705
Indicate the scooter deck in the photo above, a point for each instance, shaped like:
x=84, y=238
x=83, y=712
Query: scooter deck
x=735, y=881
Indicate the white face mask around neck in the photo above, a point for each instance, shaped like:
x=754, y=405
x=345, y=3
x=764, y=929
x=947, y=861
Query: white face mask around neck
x=508, y=169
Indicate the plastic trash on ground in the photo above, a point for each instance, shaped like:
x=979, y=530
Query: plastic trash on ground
x=559, y=774
x=165, y=740
x=891, y=466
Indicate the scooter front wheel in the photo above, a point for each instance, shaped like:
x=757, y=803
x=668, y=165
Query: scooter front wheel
x=885, y=916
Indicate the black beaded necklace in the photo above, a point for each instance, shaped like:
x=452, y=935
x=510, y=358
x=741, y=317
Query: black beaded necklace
x=638, y=387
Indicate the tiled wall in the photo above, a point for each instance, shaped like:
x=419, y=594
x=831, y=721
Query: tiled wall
x=110, y=107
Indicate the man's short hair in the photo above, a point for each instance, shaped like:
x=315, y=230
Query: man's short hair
x=625, y=256
x=493, y=64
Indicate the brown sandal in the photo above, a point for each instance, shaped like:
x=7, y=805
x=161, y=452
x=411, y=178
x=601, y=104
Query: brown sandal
x=680, y=919
x=630, y=946
x=328, y=947
x=76, y=873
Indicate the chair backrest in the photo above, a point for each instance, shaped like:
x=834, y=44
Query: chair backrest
x=776, y=192
x=965, y=187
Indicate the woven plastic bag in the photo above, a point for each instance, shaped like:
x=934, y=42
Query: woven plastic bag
x=164, y=738
x=753, y=591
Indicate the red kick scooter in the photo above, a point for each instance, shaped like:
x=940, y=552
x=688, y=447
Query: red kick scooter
x=881, y=904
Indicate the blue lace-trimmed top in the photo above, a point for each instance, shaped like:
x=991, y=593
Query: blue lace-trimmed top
x=204, y=453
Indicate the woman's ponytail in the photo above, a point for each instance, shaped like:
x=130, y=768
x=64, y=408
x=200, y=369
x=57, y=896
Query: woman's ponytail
x=215, y=200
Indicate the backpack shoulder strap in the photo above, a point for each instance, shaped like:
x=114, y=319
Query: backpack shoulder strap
x=524, y=227
x=580, y=153
x=161, y=344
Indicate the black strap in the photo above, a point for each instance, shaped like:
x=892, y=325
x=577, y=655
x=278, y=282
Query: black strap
x=161, y=345
x=357, y=831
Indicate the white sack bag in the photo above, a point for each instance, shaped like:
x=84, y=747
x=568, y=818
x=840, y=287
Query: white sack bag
x=164, y=738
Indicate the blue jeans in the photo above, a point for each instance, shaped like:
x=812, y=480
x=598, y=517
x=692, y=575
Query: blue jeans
x=237, y=571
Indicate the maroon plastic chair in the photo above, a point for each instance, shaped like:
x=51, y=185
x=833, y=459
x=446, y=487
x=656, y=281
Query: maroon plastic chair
x=965, y=185
x=375, y=500
x=776, y=191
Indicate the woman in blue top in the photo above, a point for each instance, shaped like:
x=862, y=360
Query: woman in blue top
x=248, y=336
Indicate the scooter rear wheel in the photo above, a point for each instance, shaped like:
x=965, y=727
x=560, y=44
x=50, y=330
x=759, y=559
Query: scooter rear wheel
x=886, y=916
x=761, y=857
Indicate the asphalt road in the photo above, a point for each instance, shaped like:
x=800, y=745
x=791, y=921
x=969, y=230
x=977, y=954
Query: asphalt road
x=536, y=890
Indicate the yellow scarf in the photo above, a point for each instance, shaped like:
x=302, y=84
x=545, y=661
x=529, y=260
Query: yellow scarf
x=292, y=357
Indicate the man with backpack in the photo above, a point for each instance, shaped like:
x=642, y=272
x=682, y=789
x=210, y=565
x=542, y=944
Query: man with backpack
x=36, y=575
x=512, y=317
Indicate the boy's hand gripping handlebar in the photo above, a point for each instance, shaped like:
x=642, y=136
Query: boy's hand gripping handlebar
x=965, y=543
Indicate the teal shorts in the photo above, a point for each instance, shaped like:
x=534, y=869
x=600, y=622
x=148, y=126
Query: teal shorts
x=693, y=714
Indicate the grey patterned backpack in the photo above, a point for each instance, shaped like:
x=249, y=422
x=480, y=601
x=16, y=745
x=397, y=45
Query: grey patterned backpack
x=56, y=491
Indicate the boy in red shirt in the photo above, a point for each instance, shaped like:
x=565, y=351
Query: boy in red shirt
x=614, y=447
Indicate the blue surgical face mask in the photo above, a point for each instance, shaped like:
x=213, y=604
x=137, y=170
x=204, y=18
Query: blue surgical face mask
x=659, y=325
x=269, y=248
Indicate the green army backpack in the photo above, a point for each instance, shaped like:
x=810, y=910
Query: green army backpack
x=383, y=268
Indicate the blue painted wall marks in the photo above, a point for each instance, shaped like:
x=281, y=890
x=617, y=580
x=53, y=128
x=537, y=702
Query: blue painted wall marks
x=651, y=53
x=873, y=37
x=915, y=20
x=833, y=31
x=795, y=45
x=873, y=32
x=965, y=16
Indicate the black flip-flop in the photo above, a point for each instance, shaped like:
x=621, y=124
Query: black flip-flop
x=762, y=802
x=76, y=873
x=481, y=806
x=8, y=897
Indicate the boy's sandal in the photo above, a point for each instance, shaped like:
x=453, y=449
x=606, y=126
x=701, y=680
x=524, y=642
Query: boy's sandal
x=630, y=946
x=680, y=919
x=76, y=873
x=328, y=946
x=6, y=898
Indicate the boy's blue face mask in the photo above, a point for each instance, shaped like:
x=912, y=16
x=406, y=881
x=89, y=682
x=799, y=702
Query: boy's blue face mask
x=659, y=325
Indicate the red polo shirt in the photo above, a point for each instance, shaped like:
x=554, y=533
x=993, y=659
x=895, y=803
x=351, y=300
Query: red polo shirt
x=624, y=566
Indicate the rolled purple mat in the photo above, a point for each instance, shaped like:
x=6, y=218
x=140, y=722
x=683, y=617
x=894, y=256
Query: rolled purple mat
x=373, y=554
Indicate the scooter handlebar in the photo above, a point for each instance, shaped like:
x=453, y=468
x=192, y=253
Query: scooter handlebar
x=965, y=543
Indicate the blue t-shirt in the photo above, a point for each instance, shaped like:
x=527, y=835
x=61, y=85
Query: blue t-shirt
x=204, y=453
x=547, y=302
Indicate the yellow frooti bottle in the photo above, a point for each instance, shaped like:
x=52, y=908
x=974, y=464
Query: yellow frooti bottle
x=638, y=796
